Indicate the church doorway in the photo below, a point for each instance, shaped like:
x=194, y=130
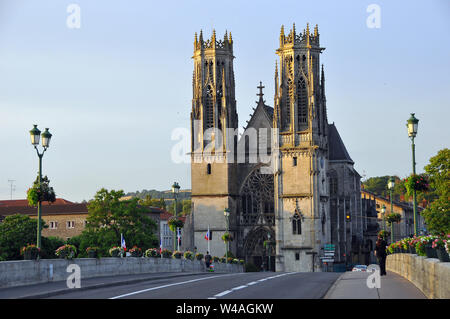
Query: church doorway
x=260, y=250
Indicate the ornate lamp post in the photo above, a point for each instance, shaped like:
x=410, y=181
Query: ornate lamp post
x=175, y=191
x=226, y=213
x=412, y=125
x=383, y=211
x=391, y=184
x=35, y=134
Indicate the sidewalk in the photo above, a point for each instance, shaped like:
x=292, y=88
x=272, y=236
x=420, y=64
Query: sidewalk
x=49, y=289
x=352, y=285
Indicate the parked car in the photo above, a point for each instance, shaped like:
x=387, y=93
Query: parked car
x=359, y=268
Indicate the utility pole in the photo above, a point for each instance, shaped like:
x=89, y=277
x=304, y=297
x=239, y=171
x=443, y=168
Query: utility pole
x=12, y=186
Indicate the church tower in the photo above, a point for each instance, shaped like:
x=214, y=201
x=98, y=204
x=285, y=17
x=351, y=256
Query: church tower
x=301, y=187
x=214, y=124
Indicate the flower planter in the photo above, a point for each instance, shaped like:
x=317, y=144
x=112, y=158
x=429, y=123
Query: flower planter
x=92, y=254
x=442, y=254
x=30, y=255
x=430, y=252
x=412, y=250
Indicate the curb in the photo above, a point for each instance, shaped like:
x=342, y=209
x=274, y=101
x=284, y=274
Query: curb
x=333, y=287
x=104, y=285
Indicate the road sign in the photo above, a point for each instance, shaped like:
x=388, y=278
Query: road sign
x=328, y=253
x=327, y=260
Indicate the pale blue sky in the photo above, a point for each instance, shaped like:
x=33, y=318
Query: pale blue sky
x=112, y=91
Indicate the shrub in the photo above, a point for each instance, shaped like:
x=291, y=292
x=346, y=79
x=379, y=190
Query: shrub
x=216, y=259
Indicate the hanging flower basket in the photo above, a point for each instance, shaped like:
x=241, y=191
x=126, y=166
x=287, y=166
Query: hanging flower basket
x=393, y=218
x=40, y=193
x=175, y=223
x=416, y=182
x=227, y=237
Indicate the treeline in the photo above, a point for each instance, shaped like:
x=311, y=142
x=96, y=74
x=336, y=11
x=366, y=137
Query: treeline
x=153, y=193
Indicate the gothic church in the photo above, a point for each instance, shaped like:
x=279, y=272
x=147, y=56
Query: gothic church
x=289, y=198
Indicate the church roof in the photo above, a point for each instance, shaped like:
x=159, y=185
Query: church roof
x=337, y=150
x=261, y=106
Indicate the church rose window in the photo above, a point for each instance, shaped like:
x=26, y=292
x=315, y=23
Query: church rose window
x=257, y=199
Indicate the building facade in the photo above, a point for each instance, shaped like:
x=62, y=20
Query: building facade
x=287, y=182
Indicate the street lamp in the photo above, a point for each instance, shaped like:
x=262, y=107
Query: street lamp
x=383, y=211
x=226, y=213
x=175, y=191
x=35, y=134
x=412, y=125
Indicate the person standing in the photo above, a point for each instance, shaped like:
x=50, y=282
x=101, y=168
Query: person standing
x=208, y=260
x=380, y=253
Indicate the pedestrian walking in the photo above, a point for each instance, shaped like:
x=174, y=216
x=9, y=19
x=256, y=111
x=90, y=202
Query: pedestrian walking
x=208, y=260
x=380, y=253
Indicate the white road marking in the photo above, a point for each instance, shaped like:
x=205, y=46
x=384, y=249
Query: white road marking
x=169, y=285
x=226, y=292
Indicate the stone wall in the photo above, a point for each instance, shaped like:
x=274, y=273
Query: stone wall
x=27, y=272
x=430, y=275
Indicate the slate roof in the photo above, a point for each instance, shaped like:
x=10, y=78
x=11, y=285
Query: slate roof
x=337, y=150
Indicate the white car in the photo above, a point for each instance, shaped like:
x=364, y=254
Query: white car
x=359, y=268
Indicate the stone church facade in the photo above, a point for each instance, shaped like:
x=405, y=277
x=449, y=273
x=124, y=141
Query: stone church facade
x=287, y=181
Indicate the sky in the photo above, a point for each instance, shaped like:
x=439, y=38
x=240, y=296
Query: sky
x=114, y=90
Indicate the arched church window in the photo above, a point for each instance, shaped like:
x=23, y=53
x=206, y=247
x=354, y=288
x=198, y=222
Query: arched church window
x=333, y=183
x=209, y=108
x=296, y=224
x=302, y=104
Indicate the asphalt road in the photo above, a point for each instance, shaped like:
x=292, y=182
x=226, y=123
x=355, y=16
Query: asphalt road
x=262, y=285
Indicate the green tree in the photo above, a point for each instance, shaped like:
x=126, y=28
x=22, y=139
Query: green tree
x=439, y=172
x=16, y=231
x=109, y=217
x=437, y=214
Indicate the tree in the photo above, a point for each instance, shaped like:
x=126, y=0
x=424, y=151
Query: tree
x=16, y=231
x=437, y=214
x=439, y=172
x=109, y=217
